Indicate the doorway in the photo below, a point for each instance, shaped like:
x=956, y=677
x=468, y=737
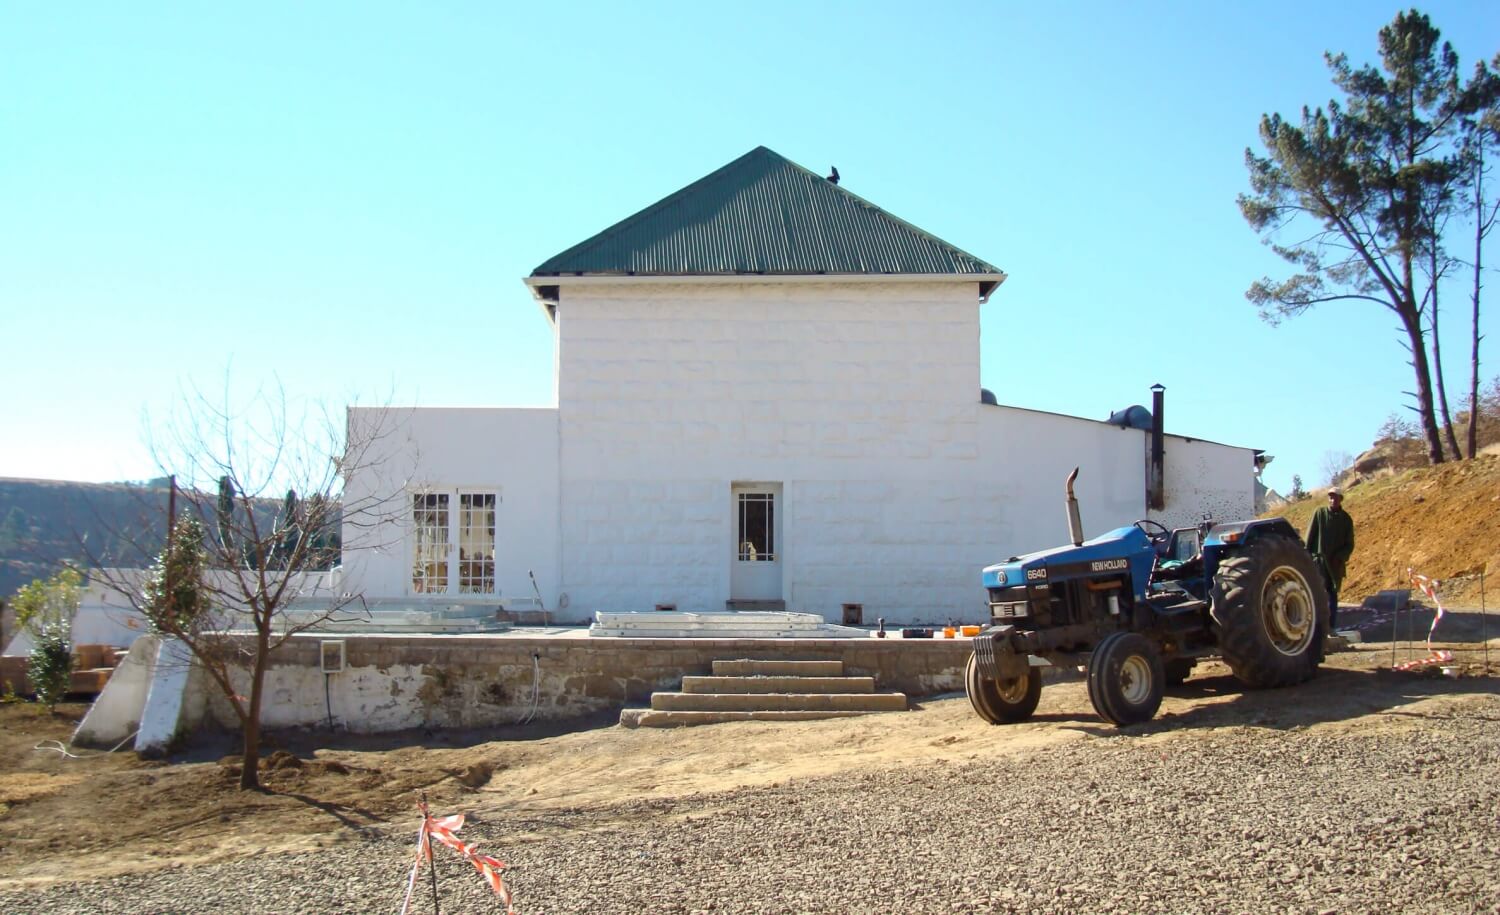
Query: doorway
x=755, y=566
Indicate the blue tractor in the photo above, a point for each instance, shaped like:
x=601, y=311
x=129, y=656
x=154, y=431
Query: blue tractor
x=1139, y=606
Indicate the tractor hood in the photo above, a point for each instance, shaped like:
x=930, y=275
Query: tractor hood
x=1123, y=550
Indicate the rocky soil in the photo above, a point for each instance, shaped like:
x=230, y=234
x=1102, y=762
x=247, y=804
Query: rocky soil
x=1364, y=791
x=1438, y=521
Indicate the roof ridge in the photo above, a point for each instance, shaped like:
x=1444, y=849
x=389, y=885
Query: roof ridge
x=651, y=210
x=762, y=163
x=887, y=214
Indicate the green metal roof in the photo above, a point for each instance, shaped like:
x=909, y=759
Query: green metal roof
x=763, y=214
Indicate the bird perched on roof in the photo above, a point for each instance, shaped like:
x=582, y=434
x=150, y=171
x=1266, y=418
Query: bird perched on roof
x=835, y=176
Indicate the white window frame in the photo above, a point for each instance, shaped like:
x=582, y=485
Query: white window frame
x=475, y=572
x=432, y=544
x=446, y=552
x=766, y=535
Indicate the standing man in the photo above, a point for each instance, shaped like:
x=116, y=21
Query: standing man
x=1330, y=540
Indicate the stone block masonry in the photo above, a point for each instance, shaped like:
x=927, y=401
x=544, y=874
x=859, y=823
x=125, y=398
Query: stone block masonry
x=393, y=683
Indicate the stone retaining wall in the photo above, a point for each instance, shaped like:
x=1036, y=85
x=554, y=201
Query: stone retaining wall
x=397, y=682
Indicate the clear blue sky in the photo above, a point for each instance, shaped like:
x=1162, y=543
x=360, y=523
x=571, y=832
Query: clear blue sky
x=347, y=195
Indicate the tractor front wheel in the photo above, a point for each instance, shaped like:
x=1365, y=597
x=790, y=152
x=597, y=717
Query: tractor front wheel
x=1002, y=701
x=1126, y=679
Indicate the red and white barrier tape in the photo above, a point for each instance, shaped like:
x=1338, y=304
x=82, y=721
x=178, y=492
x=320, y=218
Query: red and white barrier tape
x=1437, y=657
x=442, y=829
x=1429, y=587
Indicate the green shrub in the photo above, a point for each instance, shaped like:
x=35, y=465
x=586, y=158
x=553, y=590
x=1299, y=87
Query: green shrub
x=50, y=666
x=45, y=608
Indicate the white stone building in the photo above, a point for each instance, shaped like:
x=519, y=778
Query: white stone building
x=767, y=395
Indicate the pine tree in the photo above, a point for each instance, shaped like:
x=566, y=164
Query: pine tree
x=1374, y=174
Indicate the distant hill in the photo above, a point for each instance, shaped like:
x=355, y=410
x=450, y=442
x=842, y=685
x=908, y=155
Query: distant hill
x=44, y=523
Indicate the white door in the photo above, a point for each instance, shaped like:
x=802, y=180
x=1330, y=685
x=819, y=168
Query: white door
x=755, y=573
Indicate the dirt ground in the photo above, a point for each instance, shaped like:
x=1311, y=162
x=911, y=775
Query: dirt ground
x=1438, y=521
x=69, y=819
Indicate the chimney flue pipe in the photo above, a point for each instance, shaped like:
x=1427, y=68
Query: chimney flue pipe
x=1156, y=486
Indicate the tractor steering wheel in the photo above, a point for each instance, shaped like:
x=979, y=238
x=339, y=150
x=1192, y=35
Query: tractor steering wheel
x=1155, y=531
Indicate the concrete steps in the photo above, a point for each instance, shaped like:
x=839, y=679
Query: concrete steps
x=778, y=668
x=746, y=690
x=756, y=684
x=779, y=702
x=649, y=718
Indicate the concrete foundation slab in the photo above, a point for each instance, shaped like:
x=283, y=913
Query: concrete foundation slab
x=669, y=624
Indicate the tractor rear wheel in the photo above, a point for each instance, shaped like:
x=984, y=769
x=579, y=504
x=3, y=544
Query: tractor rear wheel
x=1002, y=701
x=1272, y=613
x=1126, y=678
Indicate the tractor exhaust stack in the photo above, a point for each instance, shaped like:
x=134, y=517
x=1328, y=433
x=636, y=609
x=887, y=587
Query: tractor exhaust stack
x=1075, y=524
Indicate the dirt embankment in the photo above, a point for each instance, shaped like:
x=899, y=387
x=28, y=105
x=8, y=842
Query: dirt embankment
x=1443, y=522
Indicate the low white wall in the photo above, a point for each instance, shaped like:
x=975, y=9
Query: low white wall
x=1028, y=455
x=509, y=451
x=1206, y=479
x=107, y=616
x=907, y=544
x=104, y=617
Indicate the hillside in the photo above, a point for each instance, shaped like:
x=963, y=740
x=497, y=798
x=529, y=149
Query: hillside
x=1441, y=521
x=44, y=522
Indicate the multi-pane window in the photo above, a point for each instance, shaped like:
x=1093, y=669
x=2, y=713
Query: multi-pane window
x=757, y=511
x=476, y=543
x=429, y=573
x=439, y=532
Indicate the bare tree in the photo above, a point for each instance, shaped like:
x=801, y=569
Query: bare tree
x=1334, y=464
x=261, y=578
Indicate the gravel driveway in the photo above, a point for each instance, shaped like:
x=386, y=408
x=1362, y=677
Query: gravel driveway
x=1403, y=816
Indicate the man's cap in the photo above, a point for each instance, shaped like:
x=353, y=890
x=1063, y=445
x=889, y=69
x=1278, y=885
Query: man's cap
x=1335, y=491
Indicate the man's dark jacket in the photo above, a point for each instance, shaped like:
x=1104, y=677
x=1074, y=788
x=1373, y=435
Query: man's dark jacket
x=1330, y=538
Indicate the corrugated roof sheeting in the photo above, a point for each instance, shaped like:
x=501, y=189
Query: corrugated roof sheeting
x=763, y=214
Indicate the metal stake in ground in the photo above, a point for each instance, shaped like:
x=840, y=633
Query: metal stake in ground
x=1484, y=636
x=1396, y=630
x=431, y=864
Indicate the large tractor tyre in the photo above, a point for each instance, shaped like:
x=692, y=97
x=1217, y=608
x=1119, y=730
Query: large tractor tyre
x=1126, y=679
x=1002, y=701
x=1272, y=613
x=1178, y=670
